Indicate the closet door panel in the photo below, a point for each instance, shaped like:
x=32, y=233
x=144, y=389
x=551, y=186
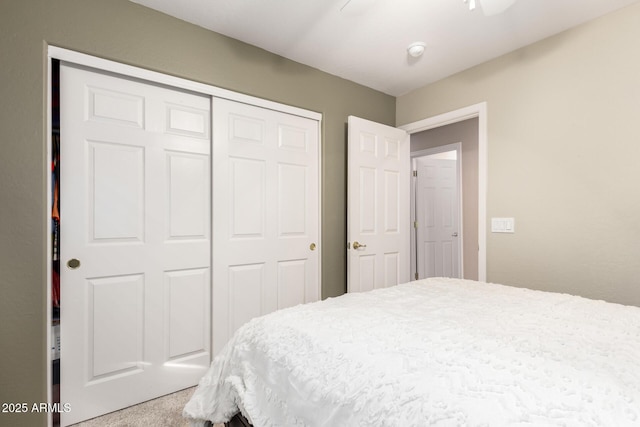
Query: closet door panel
x=292, y=200
x=292, y=281
x=116, y=195
x=188, y=196
x=265, y=213
x=184, y=320
x=246, y=290
x=114, y=107
x=247, y=210
x=115, y=302
x=135, y=214
x=192, y=122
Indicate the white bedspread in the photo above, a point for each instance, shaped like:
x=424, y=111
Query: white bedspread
x=433, y=352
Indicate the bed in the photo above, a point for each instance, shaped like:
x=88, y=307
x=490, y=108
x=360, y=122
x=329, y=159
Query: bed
x=431, y=352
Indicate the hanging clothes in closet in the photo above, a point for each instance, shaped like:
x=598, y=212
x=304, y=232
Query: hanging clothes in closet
x=55, y=191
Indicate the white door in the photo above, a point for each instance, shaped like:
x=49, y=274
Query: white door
x=437, y=218
x=265, y=214
x=135, y=238
x=378, y=219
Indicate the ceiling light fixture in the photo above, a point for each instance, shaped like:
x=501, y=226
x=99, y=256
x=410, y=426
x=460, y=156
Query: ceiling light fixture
x=416, y=49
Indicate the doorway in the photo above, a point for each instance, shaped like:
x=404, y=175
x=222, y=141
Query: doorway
x=436, y=138
x=474, y=184
x=436, y=209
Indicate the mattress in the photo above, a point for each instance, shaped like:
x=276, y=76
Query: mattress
x=442, y=352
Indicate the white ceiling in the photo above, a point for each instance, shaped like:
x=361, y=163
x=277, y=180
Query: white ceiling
x=365, y=41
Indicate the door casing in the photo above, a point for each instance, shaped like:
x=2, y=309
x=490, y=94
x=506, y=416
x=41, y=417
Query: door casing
x=480, y=111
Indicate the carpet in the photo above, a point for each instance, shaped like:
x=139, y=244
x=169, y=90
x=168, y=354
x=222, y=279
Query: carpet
x=164, y=411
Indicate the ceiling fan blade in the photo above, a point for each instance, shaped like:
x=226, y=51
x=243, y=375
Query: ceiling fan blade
x=344, y=5
x=494, y=7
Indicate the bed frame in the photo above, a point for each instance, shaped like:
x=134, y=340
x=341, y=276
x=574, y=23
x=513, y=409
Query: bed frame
x=238, y=421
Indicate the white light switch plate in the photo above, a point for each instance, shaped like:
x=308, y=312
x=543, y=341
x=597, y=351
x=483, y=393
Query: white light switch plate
x=503, y=225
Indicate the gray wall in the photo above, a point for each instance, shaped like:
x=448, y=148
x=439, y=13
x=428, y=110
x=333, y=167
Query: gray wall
x=563, y=156
x=128, y=33
x=465, y=132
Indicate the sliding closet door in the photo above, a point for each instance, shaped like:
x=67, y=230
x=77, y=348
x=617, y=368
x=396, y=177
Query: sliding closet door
x=265, y=212
x=135, y=241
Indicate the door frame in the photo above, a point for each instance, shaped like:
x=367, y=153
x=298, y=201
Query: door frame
x=480, y=111
x=62, y=54
x=415, y=155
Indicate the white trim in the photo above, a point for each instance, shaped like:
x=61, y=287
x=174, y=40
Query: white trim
x=156, y=77
x=476, y=110
x=479, y=111
x=319, y=242
x=456, y=146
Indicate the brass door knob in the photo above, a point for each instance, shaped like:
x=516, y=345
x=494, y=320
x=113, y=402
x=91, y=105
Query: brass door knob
x=357, y=245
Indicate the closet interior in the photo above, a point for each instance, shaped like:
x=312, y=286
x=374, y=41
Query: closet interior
x=55, y=236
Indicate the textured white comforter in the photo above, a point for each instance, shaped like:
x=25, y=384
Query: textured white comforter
x=433, y=352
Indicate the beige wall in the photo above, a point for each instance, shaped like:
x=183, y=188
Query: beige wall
x=465, y=132
x=126, y=32
x=564, y=156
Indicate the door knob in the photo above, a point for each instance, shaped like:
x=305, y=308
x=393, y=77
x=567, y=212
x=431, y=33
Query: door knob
x=73, y=263
x=455, y=234
x=312, y=246
x=357, y=245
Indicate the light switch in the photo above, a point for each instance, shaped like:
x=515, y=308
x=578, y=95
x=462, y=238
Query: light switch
x=502, y=225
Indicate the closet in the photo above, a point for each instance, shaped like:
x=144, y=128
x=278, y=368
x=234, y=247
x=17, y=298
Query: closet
x=55, y=237
x=180, y=214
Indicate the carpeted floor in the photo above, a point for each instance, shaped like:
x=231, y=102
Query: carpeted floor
x=165, y=411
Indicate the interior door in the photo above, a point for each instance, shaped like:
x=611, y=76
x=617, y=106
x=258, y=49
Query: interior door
x=265, y=213
x=437, y=217
x=378, y=218
x=135, y=238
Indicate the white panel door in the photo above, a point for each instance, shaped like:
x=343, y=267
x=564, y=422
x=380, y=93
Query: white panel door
x=437, y=207
x=265, y=214
x=378, y=223
x=135, y=235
